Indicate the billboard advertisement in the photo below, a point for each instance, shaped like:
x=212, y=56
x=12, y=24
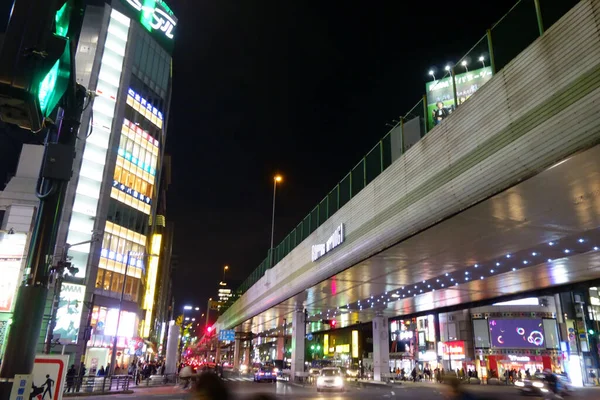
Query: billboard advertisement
x=440, y=93
x=11, y=256
x=68, y=314
x=517, y=333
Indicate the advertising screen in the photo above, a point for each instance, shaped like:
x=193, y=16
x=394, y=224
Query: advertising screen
x=517, y=333
x=440, y=93
x=68, y=314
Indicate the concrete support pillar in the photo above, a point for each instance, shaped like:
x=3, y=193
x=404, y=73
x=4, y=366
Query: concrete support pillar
x=280, y=347
x=172, y=344
x=237, y=347
x=247, y=360
x=381, y=350
x=298, y=334
x=218, y=352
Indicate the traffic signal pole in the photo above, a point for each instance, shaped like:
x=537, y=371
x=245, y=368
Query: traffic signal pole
x=55, y=173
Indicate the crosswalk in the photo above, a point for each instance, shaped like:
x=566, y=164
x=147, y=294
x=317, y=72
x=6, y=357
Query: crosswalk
x=238, y=379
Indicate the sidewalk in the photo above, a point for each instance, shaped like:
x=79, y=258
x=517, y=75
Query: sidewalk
x=154, y=390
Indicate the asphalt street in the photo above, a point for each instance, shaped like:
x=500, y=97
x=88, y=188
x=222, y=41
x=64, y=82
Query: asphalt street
x=245, y=390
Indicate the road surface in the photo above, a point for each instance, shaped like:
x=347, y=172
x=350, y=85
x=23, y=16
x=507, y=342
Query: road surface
x=245, y=390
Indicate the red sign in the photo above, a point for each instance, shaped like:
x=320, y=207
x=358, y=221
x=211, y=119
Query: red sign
x=455, y=348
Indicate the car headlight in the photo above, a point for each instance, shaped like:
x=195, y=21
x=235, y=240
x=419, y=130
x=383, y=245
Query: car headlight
x=519, y=384
x=319, y=380
x=538, y=384
x=338, y=381
x=276, y=370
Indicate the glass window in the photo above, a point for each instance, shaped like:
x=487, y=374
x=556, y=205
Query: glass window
x=129, y=146
x=118, y=171
x=99, y=278
x=136, y=151
x=107, y=278
x=106, y=240
x=144, y=60
x=144, y=188
x=138, y=52
x=121, y=246
x=117, y=282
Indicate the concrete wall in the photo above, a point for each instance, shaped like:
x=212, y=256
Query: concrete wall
x=538, y=110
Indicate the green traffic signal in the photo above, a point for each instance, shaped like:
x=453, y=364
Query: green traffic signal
x=591, y=331
x=54, y=84
x=62, y=19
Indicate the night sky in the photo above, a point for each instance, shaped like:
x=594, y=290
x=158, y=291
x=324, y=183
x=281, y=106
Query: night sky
x=300, y=88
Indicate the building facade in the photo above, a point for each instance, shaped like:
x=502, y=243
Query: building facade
x=114, y=234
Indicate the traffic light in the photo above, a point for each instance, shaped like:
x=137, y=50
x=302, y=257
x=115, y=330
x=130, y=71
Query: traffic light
x=591, y=332
x=330, y=322
x=35, y=61
x=209, y=329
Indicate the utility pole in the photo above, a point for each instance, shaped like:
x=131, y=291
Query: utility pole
x=38, y=91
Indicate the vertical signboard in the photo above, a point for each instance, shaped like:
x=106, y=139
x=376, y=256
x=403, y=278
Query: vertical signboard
x=68, y=314
x=440, y=93
x=21, y=387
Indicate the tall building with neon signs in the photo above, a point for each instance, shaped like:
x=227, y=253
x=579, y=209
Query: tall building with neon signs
x=124, y=56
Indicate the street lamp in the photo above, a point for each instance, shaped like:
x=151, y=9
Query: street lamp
x=277, y=179
x=482, y=61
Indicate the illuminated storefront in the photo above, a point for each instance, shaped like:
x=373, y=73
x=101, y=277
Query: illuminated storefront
x=453, y=354
x=413, y=343
x=104, y=328
x=522, y=344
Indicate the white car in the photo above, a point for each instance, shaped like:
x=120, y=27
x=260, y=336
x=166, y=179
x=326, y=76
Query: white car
x=330, y=379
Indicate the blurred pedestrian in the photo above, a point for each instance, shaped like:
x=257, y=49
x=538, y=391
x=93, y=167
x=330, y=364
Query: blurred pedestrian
x=210, y=387
x=454, y=389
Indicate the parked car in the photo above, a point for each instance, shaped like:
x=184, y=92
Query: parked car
x=265, y=374
x=330, y=379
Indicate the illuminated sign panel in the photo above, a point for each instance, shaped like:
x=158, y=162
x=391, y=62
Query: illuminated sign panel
x=151, y=282
x=155, y=16
x=319, y=250
x=142, y=106
x=68, y=314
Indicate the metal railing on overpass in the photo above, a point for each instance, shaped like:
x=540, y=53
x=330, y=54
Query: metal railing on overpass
x=514, y=32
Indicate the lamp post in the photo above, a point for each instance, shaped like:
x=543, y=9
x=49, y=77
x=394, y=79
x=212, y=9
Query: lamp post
x=225, y=269
x=276, y=180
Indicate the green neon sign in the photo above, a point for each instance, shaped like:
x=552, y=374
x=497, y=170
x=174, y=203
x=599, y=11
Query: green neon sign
x=155, y=16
